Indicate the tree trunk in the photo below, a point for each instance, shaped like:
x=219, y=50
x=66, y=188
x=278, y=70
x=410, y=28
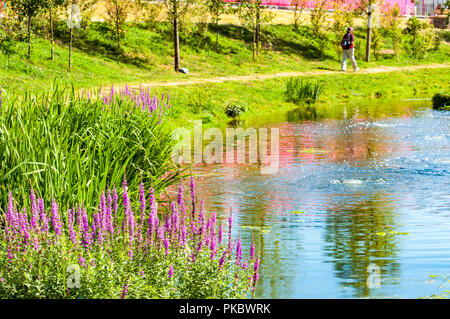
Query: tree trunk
x=254, y=43
x=258, y=30
x=176, y=39
x=217, y=34
x=29, y=36
x=51, y=35
x=117, y=25
x=70, y=48
x=369, y=33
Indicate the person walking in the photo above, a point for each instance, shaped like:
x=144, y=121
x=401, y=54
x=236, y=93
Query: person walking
x=348, y=47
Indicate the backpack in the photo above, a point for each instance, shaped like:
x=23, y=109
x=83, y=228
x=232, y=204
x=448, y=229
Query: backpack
x=346, y=42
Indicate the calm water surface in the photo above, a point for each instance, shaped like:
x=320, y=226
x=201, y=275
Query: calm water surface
x=357, y=185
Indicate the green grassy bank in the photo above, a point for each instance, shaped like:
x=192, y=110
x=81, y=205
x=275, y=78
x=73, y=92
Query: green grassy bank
x=147, y=55
x=208, y=102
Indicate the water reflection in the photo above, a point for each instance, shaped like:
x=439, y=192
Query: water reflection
x=358, y=234
x=354, y=180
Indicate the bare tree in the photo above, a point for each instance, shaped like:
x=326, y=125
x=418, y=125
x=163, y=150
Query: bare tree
x=216, y=9
x=50, y=6
x=299, y=6
x=176, y=10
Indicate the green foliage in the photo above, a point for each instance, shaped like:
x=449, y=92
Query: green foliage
x=423, y=37
x=441, y=101
x=235, y=109
x=392, y=25
x=302, y=91
x=67, y=147
x=377, y=43
x=117, y=12
x=252, y=15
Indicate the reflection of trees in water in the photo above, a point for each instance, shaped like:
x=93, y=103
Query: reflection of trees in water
x=374, y=109
x=254, y=211
x=353, y=243
x=254, y=206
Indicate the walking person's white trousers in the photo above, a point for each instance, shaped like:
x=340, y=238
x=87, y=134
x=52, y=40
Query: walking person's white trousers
x=349, y=54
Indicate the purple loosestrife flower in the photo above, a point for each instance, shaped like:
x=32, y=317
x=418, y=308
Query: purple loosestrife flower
x=109, y=217
x=103, y=214
x=167, y=224
x=34, y=211
x=72, y=234
x=193, y=195
x=56, y=221
x=252, y=251
x=213, y=246
x=86, y=235
x=44, y=219
x=201, y=215
x=36, y=244
x=10, y=216
x=213, y=222
x=130, y=253
x=166, y=246
x=183, y=234
x=220, y=233
x=24, y=226
x=82, y=262
x=222, y=260
x=238, y=251
x=230, y=227
x=161, y=233
x=124, y=291
x=142, y=202
x=256, y=274
x=115, y=197
x=79, y=217
x=181, y=199
x=10, y=255
x=170, y=271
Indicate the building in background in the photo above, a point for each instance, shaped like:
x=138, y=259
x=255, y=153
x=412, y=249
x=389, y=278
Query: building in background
x=427, y=7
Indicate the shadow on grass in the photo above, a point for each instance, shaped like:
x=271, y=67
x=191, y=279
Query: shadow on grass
x=99, y=40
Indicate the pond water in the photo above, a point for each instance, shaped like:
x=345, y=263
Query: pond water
x=360, y=187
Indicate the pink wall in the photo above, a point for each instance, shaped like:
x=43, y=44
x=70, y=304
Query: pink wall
x=406, y=6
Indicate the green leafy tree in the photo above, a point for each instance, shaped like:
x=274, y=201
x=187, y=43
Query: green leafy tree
x=392, y=25
x=413, y=27
x=27, y=9
x=216, y=9
x=318, y=15
x=87, y=8
x=252, y=15
x=117, y=12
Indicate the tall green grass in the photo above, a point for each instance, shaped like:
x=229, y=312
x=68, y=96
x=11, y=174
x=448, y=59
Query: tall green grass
x=71, y=148
x=302, y=91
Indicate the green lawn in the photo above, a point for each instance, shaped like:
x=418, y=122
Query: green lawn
x=146, y=55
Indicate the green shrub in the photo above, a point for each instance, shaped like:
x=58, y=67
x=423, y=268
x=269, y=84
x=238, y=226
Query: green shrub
x=234, y=110
x=441, y=101
x=301, y=91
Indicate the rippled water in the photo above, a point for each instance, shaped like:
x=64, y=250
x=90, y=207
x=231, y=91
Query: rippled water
x=357, y=185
